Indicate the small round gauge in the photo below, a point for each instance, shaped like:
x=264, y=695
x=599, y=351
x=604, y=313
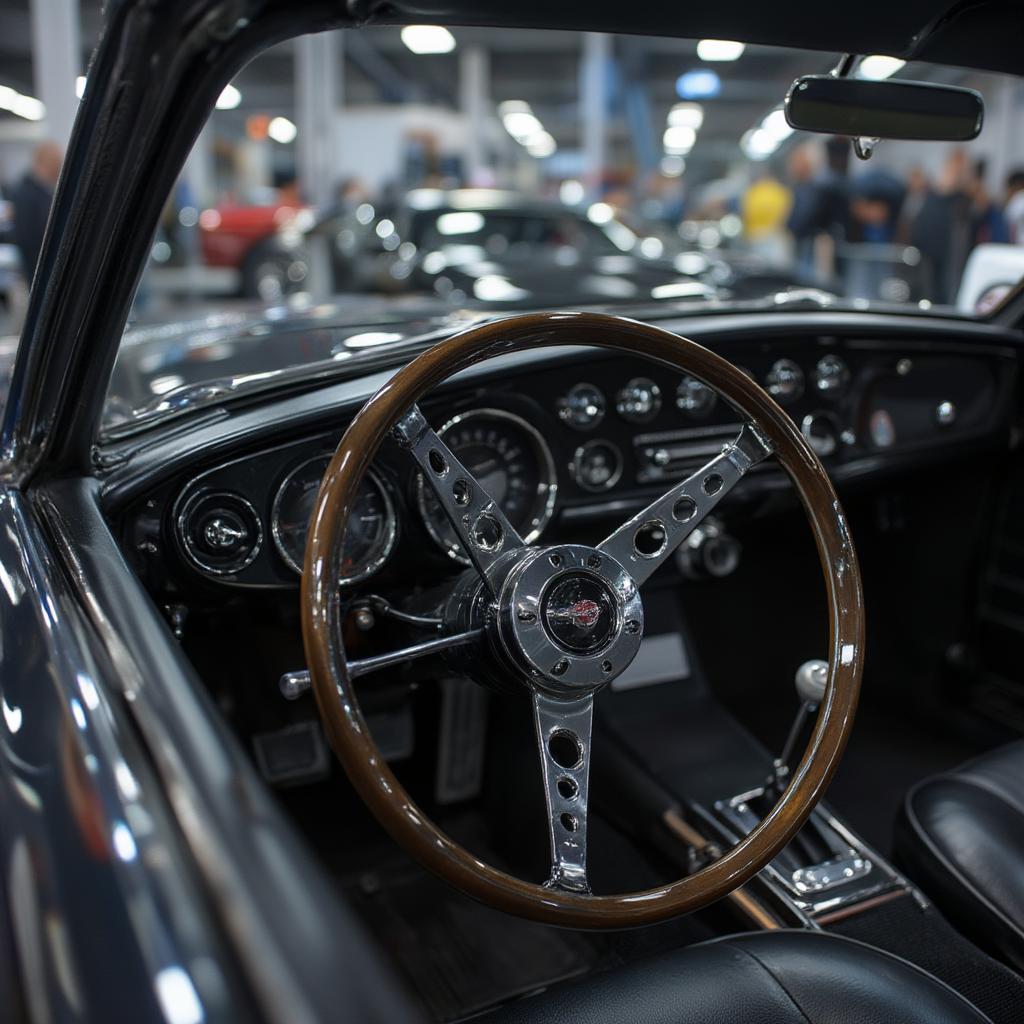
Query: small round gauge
x=785, y=381
x=582, y=407
x=639, y=401
x=370, y=535
x=597, y=465
x=831, y=375
x=694, y=397
x=510, y=460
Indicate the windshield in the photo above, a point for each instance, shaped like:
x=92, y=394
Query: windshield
x=433, y=177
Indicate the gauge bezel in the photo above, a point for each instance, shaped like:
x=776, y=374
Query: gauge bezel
x=391, y=522
x=577, y=457
x=547, y=491
x=567, y=420
x=638, y=383
x=181, y=524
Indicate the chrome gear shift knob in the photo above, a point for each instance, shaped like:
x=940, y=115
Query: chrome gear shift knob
x=811, y=678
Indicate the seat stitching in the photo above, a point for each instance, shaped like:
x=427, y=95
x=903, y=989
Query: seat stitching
x=944, y=861
x=771, y=974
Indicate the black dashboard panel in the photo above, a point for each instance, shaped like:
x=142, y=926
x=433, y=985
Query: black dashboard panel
x=572, y=443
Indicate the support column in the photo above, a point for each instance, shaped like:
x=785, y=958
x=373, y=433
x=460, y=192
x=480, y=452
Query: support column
x=318, y=97
x=594, y=109
x=475, y=103
x=56, y=63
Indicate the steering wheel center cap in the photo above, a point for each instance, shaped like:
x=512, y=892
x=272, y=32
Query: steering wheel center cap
x=571, y=618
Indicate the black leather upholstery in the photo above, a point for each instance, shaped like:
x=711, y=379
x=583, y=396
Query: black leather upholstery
x=764, y=978
x=961, y=838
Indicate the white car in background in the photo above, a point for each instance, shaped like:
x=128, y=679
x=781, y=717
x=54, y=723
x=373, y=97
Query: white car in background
x=992, y=270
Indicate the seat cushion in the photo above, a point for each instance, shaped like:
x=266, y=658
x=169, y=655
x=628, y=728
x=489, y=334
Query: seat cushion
x=960, y=837
x=783, y=977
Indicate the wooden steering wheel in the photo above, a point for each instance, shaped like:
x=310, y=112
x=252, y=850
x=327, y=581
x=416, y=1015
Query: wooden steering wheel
x=560, y=621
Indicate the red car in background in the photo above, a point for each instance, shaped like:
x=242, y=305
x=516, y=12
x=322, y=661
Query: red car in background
x=255, y=241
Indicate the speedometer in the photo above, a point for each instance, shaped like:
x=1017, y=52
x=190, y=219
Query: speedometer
x=370, y=534
x=510, y=460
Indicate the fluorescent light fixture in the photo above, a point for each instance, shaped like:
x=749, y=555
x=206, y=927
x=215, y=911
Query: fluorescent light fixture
x=282, y=130
x=720, y=49
x=672, y=166
x=80, y=86
x=541, y=145
x=686, y=115
x=600, y=213
x=513, y=107
x=27, y=107
x=678, y=139
x=877, y=66
x=521, y=125
x=428, y=39
x=229, y=98
x=776, y=126
x=758, y=144
x=698, y=85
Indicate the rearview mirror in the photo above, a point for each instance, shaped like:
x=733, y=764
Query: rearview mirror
x=884, y=110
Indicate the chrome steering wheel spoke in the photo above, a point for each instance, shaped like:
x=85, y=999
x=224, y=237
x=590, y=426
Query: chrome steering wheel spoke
x=479, y=523
x=563, y=743
x=676, y=514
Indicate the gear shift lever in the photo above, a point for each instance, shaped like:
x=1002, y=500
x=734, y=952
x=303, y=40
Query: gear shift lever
x=810, y=681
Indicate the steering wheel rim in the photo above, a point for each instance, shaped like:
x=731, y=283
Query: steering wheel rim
x=335, y=694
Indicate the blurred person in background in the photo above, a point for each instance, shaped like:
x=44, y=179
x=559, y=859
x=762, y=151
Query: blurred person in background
x=31, y=200
x=806, y=212
x=988, y=223
x=876, y=199
x=764, y=208
x=1014, y=209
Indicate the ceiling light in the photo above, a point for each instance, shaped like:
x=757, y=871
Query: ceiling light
x=541, y=145
x=720, y=49
x=698, y=85
x=282, y=130
x=428, y=39
x=27, y=107
x=686, y=115
x=758, y=144
x=521, y=125
x=229, y=98
x=513, y=107
x=776, y=125
x=678, y=139
x=878, y=66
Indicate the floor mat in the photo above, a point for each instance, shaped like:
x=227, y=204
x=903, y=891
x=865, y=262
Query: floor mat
x=460, y=956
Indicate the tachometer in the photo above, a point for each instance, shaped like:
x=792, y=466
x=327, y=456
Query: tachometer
x=511, y=461
x=371, y=526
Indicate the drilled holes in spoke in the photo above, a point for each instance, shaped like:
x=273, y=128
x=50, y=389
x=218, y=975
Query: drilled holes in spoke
x=462, y=492
x=487, y=532
x=684, y=509
x=565, y=749
x=650, y=539
x=713, y=483
x=438, y=463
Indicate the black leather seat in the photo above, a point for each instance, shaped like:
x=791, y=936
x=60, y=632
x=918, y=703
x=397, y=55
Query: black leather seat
x=961, y=838
x=765, y=978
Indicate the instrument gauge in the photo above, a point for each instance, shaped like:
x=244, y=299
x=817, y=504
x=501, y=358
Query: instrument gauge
x=371, y=530
x=639, y=401
x=511, y=461
x=831, y=375
x=582, y=407
x=694, y=397
x=785, y=381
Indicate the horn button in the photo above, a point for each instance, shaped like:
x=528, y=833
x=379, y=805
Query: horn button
x=571, y=618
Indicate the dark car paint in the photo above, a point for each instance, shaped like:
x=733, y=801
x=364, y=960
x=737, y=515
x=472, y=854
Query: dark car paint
x=235, y=878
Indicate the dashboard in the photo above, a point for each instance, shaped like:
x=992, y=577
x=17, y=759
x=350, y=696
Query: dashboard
x=567, y=443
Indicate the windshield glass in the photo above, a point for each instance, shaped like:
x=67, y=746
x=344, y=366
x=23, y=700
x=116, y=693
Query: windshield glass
x=429, y=177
